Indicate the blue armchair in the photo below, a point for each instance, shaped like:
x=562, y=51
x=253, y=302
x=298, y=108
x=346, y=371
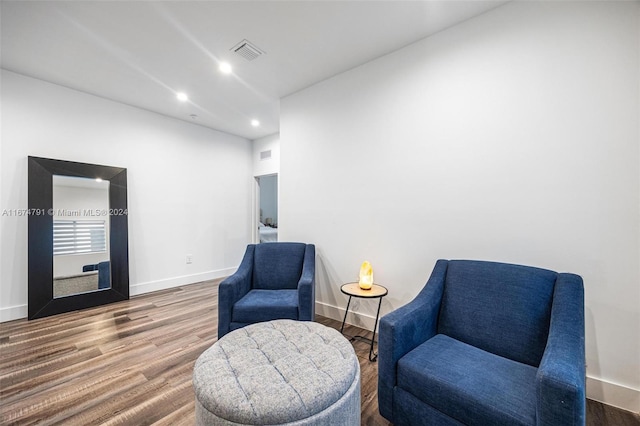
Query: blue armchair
x=274, y=281
x=486, y=343
x=104, y=273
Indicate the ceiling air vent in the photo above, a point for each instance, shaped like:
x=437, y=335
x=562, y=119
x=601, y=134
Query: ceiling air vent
x=247, y=50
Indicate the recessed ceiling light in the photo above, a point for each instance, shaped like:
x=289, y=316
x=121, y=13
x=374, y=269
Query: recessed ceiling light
x=255, y=123
x=225, y=68
x=182, y=97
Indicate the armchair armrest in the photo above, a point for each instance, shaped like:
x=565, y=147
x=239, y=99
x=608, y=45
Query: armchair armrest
x=560, y=381
x=404, y=329
x=307, y=286
x=232, y=289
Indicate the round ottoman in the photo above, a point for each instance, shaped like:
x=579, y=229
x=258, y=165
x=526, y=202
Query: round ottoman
x=278, y=372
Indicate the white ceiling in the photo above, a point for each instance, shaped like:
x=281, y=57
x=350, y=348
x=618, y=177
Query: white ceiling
x=142, y=53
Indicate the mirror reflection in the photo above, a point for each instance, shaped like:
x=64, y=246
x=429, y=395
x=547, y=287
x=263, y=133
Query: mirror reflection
x=81, y=232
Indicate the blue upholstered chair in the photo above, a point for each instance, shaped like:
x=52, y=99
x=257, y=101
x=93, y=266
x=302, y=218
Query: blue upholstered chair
x=274, y=281
x=104, y=274
x=486, y=343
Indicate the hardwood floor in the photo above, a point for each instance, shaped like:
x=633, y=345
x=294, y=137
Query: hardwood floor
x=130, y=363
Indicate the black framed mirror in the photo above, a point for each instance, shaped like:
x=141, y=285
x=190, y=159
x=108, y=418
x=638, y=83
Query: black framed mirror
x=99, y=229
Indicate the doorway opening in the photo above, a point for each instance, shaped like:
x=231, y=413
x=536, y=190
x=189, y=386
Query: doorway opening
x=267, y=209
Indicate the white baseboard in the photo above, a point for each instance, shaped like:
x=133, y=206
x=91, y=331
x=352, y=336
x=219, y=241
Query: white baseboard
x=358, y=319
x=13, y=313
x=597, y=389
x=148, y=287
x=613, y=394
x=18, y=312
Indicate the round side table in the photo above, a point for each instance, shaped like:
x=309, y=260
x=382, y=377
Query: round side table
x=354, y=290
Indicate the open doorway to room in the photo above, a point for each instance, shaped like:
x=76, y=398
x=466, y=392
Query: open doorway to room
x=267, y=204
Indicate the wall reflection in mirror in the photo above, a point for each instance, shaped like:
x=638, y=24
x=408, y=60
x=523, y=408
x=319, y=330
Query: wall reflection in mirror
x=80, y=235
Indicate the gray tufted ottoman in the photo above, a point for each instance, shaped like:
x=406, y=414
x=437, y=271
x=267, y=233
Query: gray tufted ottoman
x=278, y=372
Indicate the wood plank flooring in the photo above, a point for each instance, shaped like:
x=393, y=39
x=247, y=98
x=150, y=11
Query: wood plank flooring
x=131, y=362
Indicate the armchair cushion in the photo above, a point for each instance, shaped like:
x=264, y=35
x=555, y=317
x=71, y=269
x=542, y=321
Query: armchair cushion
x=266, y=305
x=501, y=308
x=469, y=384
x=278, y=266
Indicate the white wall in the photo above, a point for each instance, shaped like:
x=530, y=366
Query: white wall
x=189, y=187
x=268, y=166
x=512, y=137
